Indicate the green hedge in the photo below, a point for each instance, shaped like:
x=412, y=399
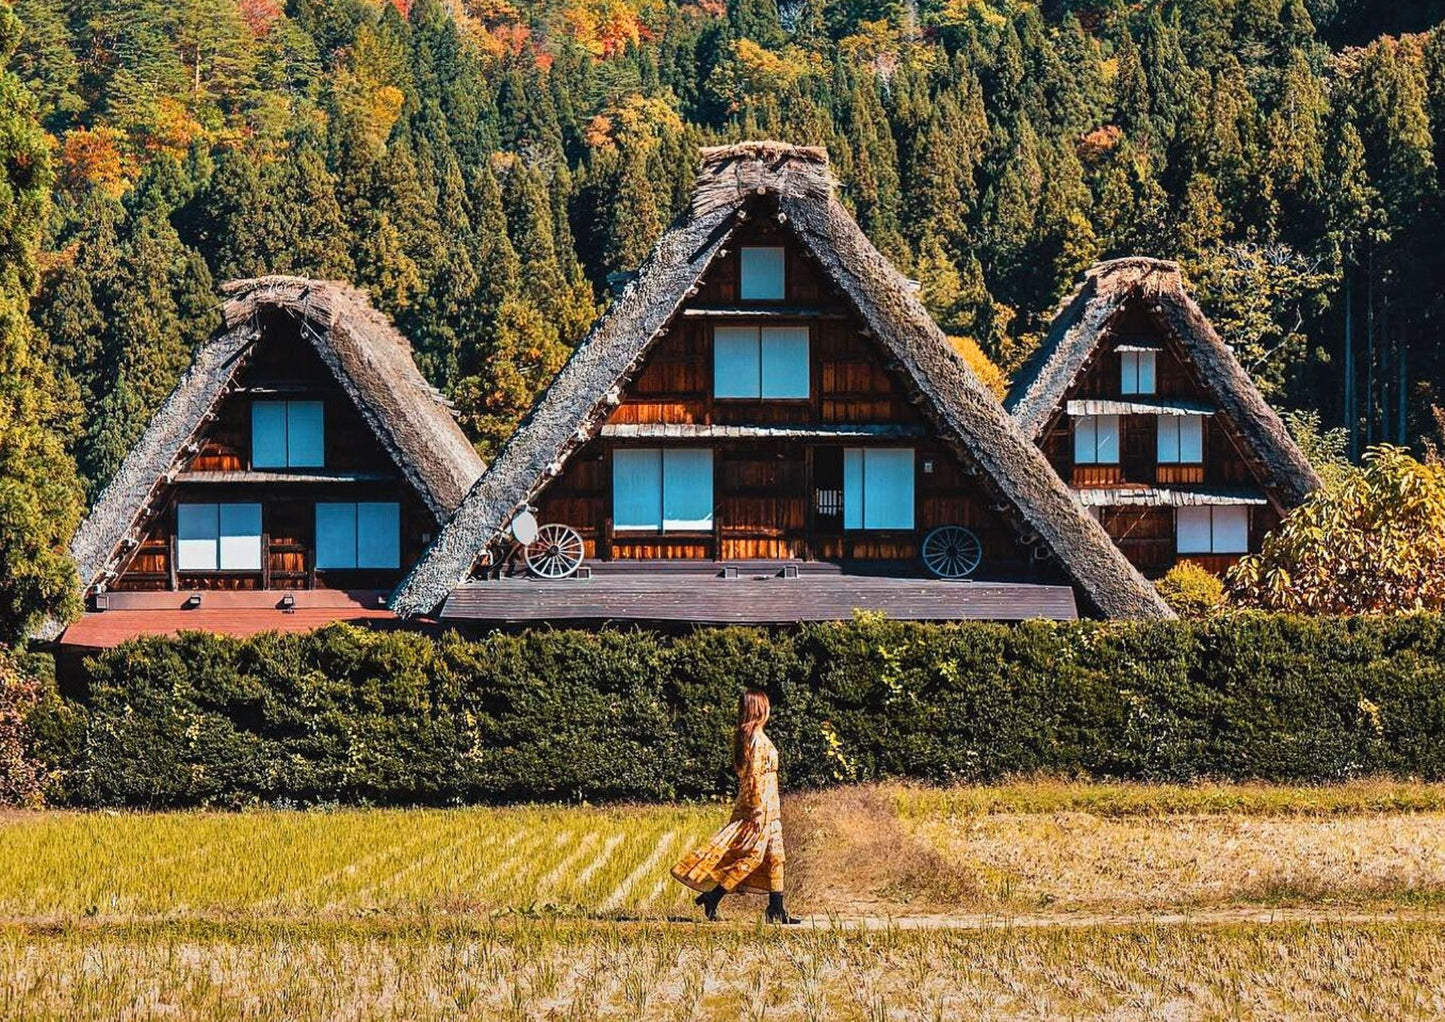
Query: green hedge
x=345, y=715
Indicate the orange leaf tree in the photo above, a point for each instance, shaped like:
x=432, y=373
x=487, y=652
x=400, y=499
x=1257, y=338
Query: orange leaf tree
x=1372, y=542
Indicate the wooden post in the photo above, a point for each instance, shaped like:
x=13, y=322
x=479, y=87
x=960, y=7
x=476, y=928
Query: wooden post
x=265, y=559
x=1352, y=417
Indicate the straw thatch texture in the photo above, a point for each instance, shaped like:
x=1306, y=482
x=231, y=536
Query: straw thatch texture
x=1043, y=383
x=799, y=181
x=370, y=360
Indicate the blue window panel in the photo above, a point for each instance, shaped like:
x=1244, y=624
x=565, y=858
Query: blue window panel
x=268, y=434
x=240, y=537
x=686, y=490
x=888, y=488
x=1231, y=530
x=637, y=489
x=1085, y=440
x=378, y=535
x=305, y=434
x=198, y=527
x=1168, y=439
x=853, y=488
x=762, y=274
x=1136, y=372
x=1191, y=439
x=335, y=536
x=1106, y=440
x=786, y=370
x=1192, y=530
x=736, y=367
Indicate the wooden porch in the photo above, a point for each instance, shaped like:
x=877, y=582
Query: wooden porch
x=748, y=593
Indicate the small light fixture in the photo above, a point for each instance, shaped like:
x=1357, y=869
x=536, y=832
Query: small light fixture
x=928, y=466
x=192, y=602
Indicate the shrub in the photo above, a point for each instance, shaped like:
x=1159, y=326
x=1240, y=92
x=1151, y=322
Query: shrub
x=21, y=775
x=1192, y=590
x=345, y=715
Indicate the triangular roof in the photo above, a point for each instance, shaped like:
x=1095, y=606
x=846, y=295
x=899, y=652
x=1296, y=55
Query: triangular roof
x=964, y=412
x=1041, y=385
x=370, y=360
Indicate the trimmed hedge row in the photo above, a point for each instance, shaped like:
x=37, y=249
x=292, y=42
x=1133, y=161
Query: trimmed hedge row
x=345, y=715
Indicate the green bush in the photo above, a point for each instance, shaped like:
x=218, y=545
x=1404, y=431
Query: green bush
x=351, y=716
x=1192, y=590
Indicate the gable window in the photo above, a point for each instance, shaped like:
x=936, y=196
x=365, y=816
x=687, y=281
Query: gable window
x=662, y=489
x=1211, y=530
x=1181, y=439
x=1136, y=372
x=878, y=488
x=760, y=362
x=218, y=537
x=361, y=535
x=1096, y=440
x=288, y=434
x=762, y=272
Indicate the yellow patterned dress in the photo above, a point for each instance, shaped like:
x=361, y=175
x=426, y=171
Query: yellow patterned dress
x=747, y=854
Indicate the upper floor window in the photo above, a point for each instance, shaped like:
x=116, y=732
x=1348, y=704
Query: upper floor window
x=1136, y=372
x=1181, y=439
x=1096, y=440
x=218, y=537
x=288, y=434
x=762, y=273
x=878, y=488
x=1211, y=530
x=760, y=362
x=662, y=489
x=362, y=535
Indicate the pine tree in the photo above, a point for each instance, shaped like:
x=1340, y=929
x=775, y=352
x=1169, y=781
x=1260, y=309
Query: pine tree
x=39, y=495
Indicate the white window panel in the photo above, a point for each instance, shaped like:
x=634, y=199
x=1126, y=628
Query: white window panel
x=1193, y=530
x=335, y=536
x=240, y=537
x=1231, y=530
x=785, y=363
x=686, y=490
x=762, y=274
x=878, y=488
x=1096, y=440
x=378, y=535
x=198, y=528
x=305, y=434
x=1181, y=439
x=637, y=488
x=737, y=362
x=268, y=434
x=1136, y=372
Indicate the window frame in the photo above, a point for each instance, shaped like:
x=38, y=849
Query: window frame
x=1135, y=359
x=782, y=257
x=287, y=406
x=1093, y=423
x=864, y=454
x=760, y=341
x=356, y=533
x=690, y=526
x=1213, y=511
x=218, y=542
x=1177, y=422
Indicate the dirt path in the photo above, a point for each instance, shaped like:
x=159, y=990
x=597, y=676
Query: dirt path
x=1202, y=917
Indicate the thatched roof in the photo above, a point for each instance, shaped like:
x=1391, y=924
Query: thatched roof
x=1041, y=386
x=800, y=184
x=370, y=360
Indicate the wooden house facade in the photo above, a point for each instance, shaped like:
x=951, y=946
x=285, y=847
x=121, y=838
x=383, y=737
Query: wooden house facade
x=300, y=466
x=1149, y=417
x=768, y=403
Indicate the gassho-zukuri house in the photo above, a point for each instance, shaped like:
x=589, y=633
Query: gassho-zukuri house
x=765, y=427
x=768, y=427
x=1148, y=415
x=299, y=467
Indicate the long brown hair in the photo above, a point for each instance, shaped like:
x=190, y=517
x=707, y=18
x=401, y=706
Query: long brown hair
x=753, y=710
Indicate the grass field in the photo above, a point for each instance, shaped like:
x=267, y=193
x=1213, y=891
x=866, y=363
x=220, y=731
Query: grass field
x=1033, y=900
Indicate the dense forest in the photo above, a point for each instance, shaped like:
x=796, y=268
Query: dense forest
x=482, y=166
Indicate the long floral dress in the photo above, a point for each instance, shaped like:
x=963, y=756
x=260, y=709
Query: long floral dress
x=742, y=856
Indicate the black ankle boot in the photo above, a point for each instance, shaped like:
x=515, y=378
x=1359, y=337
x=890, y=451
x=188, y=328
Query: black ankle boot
x=777, y=913
x=708, y=900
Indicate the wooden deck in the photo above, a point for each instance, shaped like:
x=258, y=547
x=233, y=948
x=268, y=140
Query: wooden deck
x=758, y=596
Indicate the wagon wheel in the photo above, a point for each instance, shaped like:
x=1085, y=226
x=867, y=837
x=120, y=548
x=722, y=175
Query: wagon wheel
x=556, y=552
x=951, y=551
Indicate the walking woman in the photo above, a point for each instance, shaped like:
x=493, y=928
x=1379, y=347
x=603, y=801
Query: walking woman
x=747, y=854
